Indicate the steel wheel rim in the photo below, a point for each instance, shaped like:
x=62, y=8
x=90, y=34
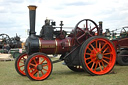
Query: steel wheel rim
x=34, y=72
x=21, y=61
x=99, y=56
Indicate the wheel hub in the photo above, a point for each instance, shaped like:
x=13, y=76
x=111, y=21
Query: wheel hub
x=99, y=56
x=39, y=67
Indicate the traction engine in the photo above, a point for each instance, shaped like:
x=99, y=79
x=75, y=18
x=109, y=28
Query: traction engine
x=84, y=49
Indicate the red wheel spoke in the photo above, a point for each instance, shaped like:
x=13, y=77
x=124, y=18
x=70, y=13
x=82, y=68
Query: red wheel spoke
x=45, y=65
x=92, y=29
x=93, y=65
x=106, y=57
x=81, y=36
x=42, y=72
x=34, y=72
x=45, y=69
x=32, y=64
x=103, y=46
x=89, y=49
x=90, y=54
x=99, y=46
x=38, y=74
x=91, y=61
x=42, y=62
x=35, y=61
x=105, y=61
x=81, y=29
x=93, y=48
x=103, y=64
x=39, y=59
x=21, y=62
x=32, y=69
x=88, y=58
x=105, y=50
x=100, y=67
x=107, y=53
x=21, y=66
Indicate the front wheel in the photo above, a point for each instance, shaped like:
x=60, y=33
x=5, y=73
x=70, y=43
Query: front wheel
x=38, y=66
x=20, y=62
x=97, y=55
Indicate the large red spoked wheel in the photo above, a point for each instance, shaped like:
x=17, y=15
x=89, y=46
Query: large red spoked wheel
x=20, y=62
x=97, y=55
x=84, y=29
x=38, y=66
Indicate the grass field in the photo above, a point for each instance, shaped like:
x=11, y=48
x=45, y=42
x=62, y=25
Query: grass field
x=61, y=75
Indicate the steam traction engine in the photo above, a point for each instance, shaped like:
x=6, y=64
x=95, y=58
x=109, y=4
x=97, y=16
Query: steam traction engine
x=120, y=41
x=84, y=49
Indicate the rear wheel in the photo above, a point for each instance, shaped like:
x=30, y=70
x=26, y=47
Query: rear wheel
x=38, y=66
x=97, y=55
x=20, y=62
x=122, y=58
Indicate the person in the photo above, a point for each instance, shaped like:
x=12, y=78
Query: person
x=6, y=48
x=47, y=31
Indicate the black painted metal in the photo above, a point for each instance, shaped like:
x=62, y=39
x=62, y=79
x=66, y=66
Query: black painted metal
x=32, y=42
x=100, y=28
x=32, y=15
x=32, y=45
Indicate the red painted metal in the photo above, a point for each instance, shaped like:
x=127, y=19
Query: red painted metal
x=37, y=73
x=83, y=34
x=20, y=64
x=100, y=65
x=102, y=54
x=56, y=46
x=120, y=43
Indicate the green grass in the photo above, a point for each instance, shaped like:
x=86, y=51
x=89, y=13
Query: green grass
x=61, y=75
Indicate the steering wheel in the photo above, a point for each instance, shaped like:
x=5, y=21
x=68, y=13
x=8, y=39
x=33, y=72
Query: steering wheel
x=123, y=32
x=83, y=33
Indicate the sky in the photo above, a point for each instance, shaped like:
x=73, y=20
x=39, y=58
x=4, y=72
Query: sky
x=14, y=14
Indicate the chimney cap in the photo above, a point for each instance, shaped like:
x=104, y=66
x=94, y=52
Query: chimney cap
x=32, y=7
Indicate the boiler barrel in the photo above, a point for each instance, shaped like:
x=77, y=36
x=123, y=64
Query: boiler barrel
x=56, y=46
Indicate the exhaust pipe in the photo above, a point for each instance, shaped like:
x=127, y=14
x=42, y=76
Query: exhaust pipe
x=32, y=42
x=100, y=28
x=32, y=15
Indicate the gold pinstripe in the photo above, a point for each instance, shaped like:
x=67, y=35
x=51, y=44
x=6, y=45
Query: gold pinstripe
x=56, y=46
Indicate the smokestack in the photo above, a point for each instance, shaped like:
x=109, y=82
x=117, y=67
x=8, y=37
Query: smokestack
x=100, y=27
x=32, y=15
